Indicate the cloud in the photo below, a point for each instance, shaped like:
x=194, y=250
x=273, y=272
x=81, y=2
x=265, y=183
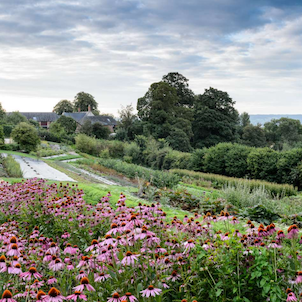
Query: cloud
x=114, y=49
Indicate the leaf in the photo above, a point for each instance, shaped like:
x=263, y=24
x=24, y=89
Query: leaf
x=218, y=292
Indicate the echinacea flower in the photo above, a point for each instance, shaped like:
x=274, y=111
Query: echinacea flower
x=54, y=295
x=78, y=295
x=299, y=277
x=128, y=296
x=7, y=297
x=115, y=298
x=292, y=231
x=40, y=295
x=291, y=297
x=129, y=259
x=84, y=284
x=151, y=291
x=32, y=272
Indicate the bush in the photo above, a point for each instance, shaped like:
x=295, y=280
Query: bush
x=227, y=159
x=26, y=136
x=7, y=130
x=89, y=145
x=218, y=181
x=133, y=151
x=12, y=167
x=197, y=159
x=10, y=147
x=262, y=164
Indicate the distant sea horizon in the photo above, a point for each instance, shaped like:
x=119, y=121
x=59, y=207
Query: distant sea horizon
x=263, y=118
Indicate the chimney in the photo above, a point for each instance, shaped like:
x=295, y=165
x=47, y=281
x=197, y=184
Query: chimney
x=79, y=109
x=89, y=108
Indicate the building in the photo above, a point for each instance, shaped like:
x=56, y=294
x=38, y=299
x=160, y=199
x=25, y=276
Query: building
x=43, y=118
x=46, y=118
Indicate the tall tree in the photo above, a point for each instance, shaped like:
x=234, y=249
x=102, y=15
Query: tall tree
x=180, y=83
x=63, y=106
x=215, y=118
x=68, y=123
x=2, y=112
x=253, y=136
x=283, y=130
x=128, y=122
x=157, y=109
x=15, y=118
x=83, y=100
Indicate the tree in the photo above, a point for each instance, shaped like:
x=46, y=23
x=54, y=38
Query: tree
x=15, y=118
x=244, y=119
x=83, y=100
x=26, y=136
x=180, y=83
x=127, y=123
x=253, y=136
x=215, y=118
x=179, y=140
x=100, y=131
x=2, y=112
x=63, y=106
x=57, y=130
x=68, y=123
x=1, y=135
x=157, y=109
x=283, y=130
x=87, y=128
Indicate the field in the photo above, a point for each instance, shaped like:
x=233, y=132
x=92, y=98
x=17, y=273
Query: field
x=137, y=242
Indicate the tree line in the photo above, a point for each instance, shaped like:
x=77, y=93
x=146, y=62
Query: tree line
x=170, y=110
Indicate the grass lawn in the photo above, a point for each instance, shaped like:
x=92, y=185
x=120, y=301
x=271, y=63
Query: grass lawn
x=18, y=153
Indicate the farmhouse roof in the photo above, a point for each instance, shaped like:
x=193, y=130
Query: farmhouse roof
x=39, y=116
x=77, y=116
x=103, y=119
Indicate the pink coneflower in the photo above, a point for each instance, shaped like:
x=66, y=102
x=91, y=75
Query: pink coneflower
x=40, y=295
x=77, y=296
x=16, y=270
x=151, y=291
x=115, y=298
x=54, y=295
x=81, y=275
x=280, y=234
x=101, y=277
x=84, y=284
x=69, y=249
x=292, y=231
x=57, y=265
x=14, y=250
x=291, y=297
x=299, y=277
x=274, y=245
x=32, y=272
x=52, y=280
x=129, y=259
x=189, y=245
x=7, y=297
x=94, y=244
x=128, y=296
x=174, y=276
x=37, y=284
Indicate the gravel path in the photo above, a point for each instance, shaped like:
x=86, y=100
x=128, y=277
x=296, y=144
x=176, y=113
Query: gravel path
x=32, y=168
x=54, y=156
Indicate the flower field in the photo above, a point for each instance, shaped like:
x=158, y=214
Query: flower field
x=55, y=247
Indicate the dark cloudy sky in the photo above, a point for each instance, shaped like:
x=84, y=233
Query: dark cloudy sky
x=114, y=49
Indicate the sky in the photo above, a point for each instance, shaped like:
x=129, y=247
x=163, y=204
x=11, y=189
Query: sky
x=115, y=49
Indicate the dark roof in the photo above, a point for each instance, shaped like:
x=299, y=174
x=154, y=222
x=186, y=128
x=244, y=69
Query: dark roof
x=77, y=116
x=39, y=116
x=103, y=119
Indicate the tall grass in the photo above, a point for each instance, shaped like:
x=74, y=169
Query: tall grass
x=12, y=167
x=157, y=178
x=218, y=181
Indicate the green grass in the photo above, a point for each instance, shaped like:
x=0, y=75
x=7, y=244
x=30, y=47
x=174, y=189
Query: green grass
x=18, y=153
x=65, y=157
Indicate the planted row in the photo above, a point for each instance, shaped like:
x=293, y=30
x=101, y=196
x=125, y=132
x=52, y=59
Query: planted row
x=218, y=181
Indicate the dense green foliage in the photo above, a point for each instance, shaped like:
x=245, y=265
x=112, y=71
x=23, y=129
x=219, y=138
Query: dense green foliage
x=83, y=100
x=63, y=106
x=215, y=118
x=26, y=136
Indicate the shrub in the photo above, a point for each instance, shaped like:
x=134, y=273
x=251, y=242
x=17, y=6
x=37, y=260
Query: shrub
x=133, y=151
x=7, y=130
x=12, y=167
x=88, y=145
x=26, y=136
x=262, y=164
x=197, y=159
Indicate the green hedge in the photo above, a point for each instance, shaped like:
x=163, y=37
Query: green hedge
x=218, y=181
